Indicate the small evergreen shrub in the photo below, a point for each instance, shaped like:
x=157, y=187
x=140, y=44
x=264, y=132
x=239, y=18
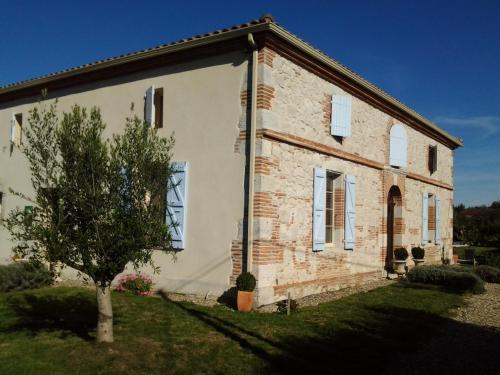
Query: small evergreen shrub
x=417, y=252
x=246, y=282
x=488, y=274
x=136, y=283
x=458, y=279
x=400, y=253
x=23, y=275
x=282, y=306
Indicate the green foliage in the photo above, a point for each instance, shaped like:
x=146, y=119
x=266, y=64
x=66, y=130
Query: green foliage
x=23, y=275
x=246, y=282
x=477, y=226
x=282, y=306
x=458, y=279
x=488, y=274
x=400, y=253
x=418, y=252
x=96, y=204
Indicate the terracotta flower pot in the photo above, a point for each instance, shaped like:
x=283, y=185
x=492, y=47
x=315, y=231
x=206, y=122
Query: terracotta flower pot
x=455, y=258
x=245, y=301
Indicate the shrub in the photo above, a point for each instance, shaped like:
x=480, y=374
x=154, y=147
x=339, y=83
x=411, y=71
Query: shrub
x=417, y=252
x=246, y=282
x=449, y=277
x=282, y=306
x=136, y=283
x=488, y=274
x=400, y=253
x=23, y=275
x=491, y=259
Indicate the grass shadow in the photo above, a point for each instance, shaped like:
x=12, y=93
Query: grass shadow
x=71, y=314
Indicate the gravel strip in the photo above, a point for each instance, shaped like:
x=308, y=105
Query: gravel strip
x=481, y=309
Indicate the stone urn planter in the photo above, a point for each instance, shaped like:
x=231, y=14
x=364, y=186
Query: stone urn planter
x=418, y=254
x=399, y=262
x=245, y=283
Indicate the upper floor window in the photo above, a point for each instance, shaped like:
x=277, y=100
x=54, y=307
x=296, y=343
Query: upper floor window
x=432, y=159
x=16, y=129
x=398, y=147
x=153, y=111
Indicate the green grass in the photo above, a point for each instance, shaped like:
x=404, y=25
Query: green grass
x=52, y=330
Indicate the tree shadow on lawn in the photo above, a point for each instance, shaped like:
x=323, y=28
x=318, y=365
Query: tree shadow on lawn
x=71, y=314
x=393, y=339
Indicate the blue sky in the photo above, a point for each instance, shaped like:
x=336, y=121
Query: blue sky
x=440, y=58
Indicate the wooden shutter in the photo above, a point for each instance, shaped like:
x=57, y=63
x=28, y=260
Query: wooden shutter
x=425, y=218
x=176, y=204
x=319, y=209
x=13, y=129
x=350, y=213
x=150, y=106
x=398, y=146
x=432, y=159
x=438, y=219
x=341, y=115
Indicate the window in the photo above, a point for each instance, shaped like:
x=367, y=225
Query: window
x=432, y=218
x=1, y=205
x=153, y=110
x=398, y=146
x=432, y=159
x=158, y=103
x=16, y=129
x=331, y=211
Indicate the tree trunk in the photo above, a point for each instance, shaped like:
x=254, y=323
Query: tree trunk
x=105, y=314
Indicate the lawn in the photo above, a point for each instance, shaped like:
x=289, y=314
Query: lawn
x=51, y=331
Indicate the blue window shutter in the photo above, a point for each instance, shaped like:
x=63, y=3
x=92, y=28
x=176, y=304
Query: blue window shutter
x=350, y=213
x=13, y=128
x=398, y=147
x=319, y=209
x=425, y=218
x=150, y=106
x=176, y=204
x=438, y=219
x=341, y=115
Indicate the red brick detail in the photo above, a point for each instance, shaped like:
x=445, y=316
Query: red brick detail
x=237, y=260
x=326, y=105
x=244, y=98
x=264, y=205
x=265, y=95
x=266, y=56
x=242, y=136
x=264, y=165
x=267, y=252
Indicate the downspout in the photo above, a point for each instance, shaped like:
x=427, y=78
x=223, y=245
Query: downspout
x=253, y=135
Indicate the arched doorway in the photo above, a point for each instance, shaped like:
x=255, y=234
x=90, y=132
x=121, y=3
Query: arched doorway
x=394, y=224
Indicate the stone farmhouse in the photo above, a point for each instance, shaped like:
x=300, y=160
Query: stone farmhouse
x=292, y=166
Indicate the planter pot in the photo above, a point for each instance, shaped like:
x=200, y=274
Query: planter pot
x=244, y=301
x=455, y=258
x=418, y=261
x=399, y=266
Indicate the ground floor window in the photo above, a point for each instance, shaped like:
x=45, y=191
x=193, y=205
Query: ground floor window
x=332, y=200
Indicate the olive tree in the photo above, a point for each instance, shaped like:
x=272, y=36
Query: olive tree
x=97, y=202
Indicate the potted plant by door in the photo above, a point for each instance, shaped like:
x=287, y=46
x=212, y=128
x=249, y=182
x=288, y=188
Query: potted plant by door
x=399, y=262
x=245, y=283
x=418, y=254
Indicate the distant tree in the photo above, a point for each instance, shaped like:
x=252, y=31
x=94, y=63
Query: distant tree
x=95, y=203
x=495, y=204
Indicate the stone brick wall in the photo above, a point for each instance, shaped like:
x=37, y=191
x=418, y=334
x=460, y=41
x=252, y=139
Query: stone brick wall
x=293, y=115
